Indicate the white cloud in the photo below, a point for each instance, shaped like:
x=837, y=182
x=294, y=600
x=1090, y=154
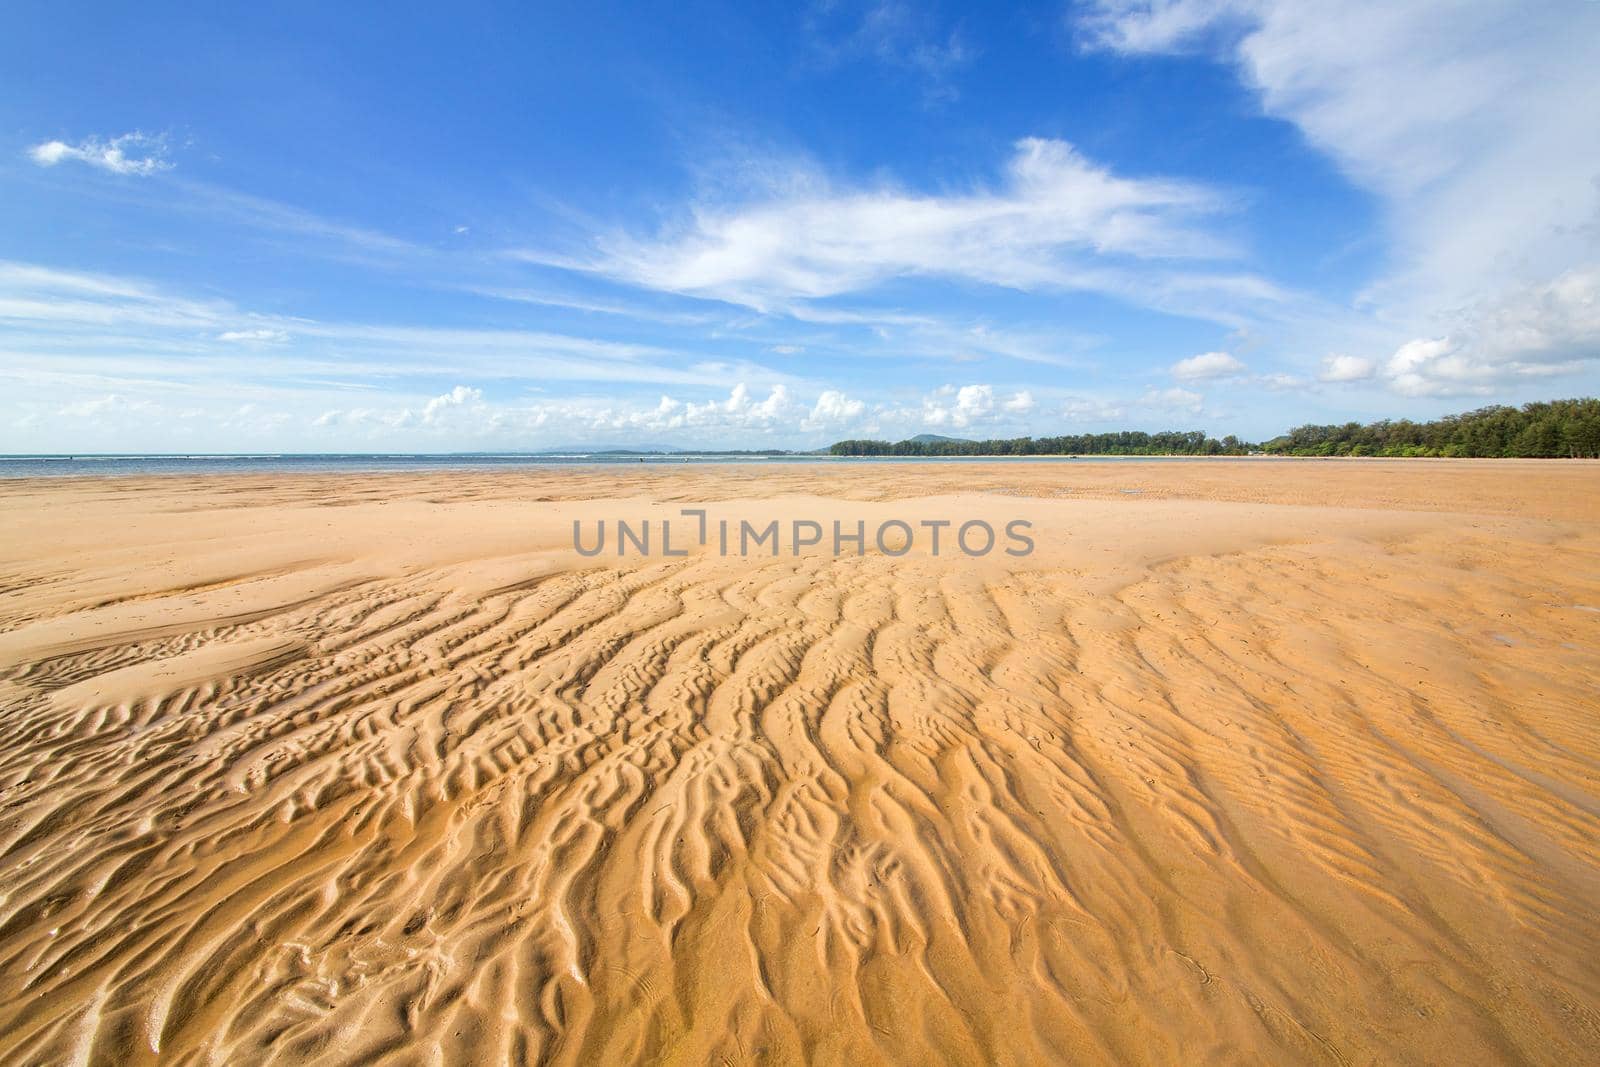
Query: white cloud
x=960, y=408
x=1426, y=366
x=1020, y=403
x=973, y=402
x=342, y=239
x=740, y=413
x=334, y=417
x=776, y=403
x=1473, y=124
x=834, y=407
x=141, y=155
x=1342, y=368
x=1058, y=221
x=258, y=336
x=1207, y=365
x=59, y=321
x=1173, y=400
x=1153, y=25
x=463, y=414
x=112, y=155
x=459, y=398
x=1092, y=410
x=1552, y=323
x=1534, y=332
x=931, y=336
x=102, y=407
x=1442, y=366
x=1364, y=79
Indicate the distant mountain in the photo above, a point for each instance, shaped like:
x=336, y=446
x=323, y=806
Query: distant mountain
x=606, y=448
x=935, y=439
x=666, y=450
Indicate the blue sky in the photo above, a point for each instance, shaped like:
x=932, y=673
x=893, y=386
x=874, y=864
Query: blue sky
x=481, y=226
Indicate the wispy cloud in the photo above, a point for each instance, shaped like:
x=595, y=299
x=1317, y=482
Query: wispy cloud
x=136, y=154
x=256, y=336
x=947, y=338
x=1057, y=221
x=70, y=322
x=1173, y=401
x=546, y=298
x=1472, y=122
x=900, y=36
x=275, y=217
x=102, y=361
x=143, y=155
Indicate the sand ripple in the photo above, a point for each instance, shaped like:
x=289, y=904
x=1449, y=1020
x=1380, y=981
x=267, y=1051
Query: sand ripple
x=1297, y=803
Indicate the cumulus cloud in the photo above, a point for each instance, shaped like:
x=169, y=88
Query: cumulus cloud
x=1341, y=368
x=1426, y=366
x=735, y=419
x=728, y=420
x=461, y=396
x=1057, y=221
x=1020, y=403
x=739, y=418
x=1535, y=332
x=834, y=407
x=462, y=411
x=465, y=416
x=114, y=155
x=973, y=402
x=1443, y=366
x=964, y=407
x=1207, y=365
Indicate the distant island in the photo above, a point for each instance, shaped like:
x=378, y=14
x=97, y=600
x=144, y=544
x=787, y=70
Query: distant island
x=1556, y=429
x=680, y=452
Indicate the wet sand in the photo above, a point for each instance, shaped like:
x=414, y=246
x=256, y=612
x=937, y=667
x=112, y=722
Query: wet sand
x=1265, y=762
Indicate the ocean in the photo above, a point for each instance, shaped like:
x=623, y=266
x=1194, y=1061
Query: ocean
x=65, y=466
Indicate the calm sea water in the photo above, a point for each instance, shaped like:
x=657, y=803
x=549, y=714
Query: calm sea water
x=336, y=463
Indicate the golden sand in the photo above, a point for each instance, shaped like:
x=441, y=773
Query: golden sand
x=1266, y=762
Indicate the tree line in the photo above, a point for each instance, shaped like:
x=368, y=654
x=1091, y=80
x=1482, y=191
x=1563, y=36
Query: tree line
x=1122, y=443
x=1549, y=429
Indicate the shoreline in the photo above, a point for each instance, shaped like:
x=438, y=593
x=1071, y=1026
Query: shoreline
x=306, y=465
x=1563, y=489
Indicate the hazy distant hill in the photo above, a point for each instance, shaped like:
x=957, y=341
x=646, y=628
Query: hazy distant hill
x=933, y=439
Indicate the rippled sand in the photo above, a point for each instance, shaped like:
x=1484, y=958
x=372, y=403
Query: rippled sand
x=1269, y=762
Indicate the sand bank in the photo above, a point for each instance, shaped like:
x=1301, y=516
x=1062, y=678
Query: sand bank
x=1261, y=762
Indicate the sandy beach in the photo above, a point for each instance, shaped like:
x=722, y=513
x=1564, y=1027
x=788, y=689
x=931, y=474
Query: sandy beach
x=1253, y=761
